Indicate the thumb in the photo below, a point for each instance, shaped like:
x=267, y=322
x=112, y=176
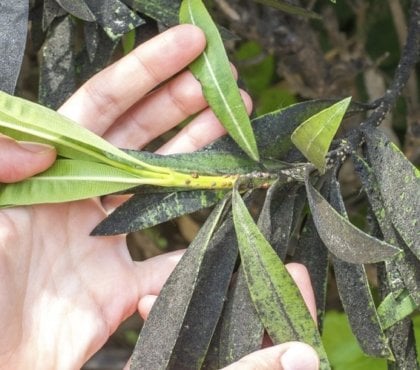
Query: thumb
x=286, y=356
x=22, y=159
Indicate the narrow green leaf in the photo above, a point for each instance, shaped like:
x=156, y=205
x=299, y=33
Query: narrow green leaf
x=209, y=162
x=67, y=180
x=140, y=211
x=287, y=7
x=313, y=137
x=212, y=69
x=277, y=299
x=341, y=237
x=395, y=308
x=399, y=185
x=180, y=326
x=25, y=120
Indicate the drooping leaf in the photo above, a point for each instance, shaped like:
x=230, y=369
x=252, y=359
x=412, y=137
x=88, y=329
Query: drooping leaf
x=237, y=339
x=78, y=8
x=313, y=137
x=212, y=69
x=179, y=328
x=114, y=17
x=13, y=32
x=395, y=308
x=67, y=180
x=24, y=120
x=287, y=7
x=354, y=291
x=57, y=80
x=403, y=345
x=141, y=211
x=282, y=208
x=399, y=185
x=343, y=239
x=276, y=298
x=404, y=270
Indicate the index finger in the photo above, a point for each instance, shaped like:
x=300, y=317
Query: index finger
x=107, y=95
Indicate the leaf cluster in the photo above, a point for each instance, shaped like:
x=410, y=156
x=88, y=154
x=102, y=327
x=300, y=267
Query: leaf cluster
x=231, y=285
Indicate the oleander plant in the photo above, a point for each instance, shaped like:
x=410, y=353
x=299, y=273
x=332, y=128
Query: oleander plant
x=273, y=185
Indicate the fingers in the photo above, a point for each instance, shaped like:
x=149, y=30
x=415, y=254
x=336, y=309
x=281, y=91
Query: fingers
x=106, y=96
x=158, y=112
x=19, y=160
x=201, y=131
x=302, y=279
x=286, y=356
x=145, y=305
x=153, y=272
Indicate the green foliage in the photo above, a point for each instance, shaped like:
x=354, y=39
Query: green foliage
x=276, y=298
x=290, y=160
x=212, y=68
x=345, y=354
x=313, y=137
x=342, y=349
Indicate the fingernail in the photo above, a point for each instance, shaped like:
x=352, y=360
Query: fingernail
x=32, y=147
x=299, y=357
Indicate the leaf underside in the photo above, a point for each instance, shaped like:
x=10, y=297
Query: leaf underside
x=343, y=239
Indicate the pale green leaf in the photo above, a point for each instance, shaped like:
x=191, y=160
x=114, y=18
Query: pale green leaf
x=276, y=297
x=212, y=69
x=395, y=308
x=25, y=120
x=313, y=137
x=67, y=180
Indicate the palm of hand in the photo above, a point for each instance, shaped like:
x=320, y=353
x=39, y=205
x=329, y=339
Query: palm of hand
x=60, y=298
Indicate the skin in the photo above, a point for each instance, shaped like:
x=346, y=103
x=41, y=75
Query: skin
x=62, y=292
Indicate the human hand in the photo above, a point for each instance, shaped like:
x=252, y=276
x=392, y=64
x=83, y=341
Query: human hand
x=62, y=292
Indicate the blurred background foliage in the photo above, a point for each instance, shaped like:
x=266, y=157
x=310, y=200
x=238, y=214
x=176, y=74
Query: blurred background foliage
x=284, y=59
